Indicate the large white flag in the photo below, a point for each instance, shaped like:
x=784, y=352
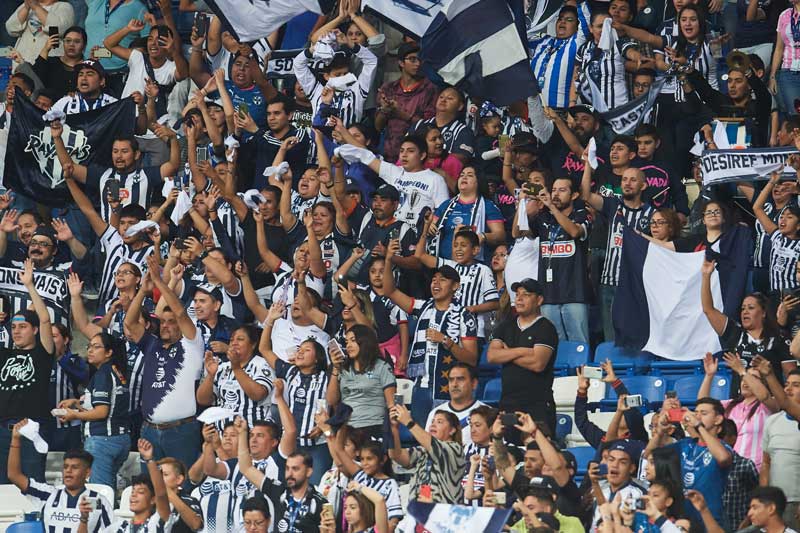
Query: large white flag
x=251, y=20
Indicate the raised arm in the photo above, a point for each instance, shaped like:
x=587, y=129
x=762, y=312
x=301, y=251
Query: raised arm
x=45, y=331
x=112, y=42
x=265, y=346
x=710, y=366
x=185, y=323
x=288, y=441
x=78, y=171
x=160, y=489
x=253, y=474
x=763, y=197
x=79, y=315
x=593, y=199
x=84, y=204
x=15, y=474
x=715, y=317
x=404, y=301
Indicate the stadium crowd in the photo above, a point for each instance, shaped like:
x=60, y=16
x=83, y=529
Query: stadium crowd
x=314, y=296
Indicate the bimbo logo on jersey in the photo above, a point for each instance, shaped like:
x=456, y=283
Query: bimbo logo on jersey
x=558, y=249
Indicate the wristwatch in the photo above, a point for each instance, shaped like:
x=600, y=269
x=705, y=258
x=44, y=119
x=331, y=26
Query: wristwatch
x=411, y=424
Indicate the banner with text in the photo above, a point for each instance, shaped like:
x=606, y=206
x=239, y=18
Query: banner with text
x=721, y=166
x=51, y=286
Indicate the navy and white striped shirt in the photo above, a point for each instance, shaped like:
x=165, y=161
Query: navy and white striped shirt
x=477, y=286
x=229, y=393
x=135, y=187
x=154, y=524
x=60, y=510
x=783, y=256
x=303, y=393
x=700, y=58
x=117, y=252
x=71, y=105
x=69, y=373
x=243, y=489
x=606, y=68
x=619, y=216
x=388, y=488
x=107, y=387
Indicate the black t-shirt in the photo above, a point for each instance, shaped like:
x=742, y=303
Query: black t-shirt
x=736, y=340
x=522, y=388
x=180, y=526
x=55, y=75
x=692, y=243
x=276, y=240
x=563, y=260
x=25, y=383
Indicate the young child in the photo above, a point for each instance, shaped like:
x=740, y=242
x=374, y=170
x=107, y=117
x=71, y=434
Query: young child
x=487, y=144
x=478, y=291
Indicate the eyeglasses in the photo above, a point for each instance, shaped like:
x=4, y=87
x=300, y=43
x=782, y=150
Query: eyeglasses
x=254, y=523
x=73, y=41
x=124, y=273
x=641, y=85
x=713, y=212
x=500, y=255
x=97, y=346
x=659, y=223
x=412, y=59
x=41, y=244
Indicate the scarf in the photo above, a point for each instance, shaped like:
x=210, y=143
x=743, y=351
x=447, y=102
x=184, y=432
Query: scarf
x=477, y=219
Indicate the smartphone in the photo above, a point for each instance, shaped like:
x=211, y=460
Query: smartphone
x=327, y=510
x=640, y=504
x=333, y=346
x=502, y=141
x=490, y=461
x=509, y=420
x=102, y=53
x=243, y=110
x=93, y=502
x=5, y=51
x=58, y=412
x=113, y=190
x=634, y=400
x=201, y=153
x=399, y=399
x=602, y=469
x=201, y=24
x=52, y=30
x=592, y=372
x=177, y=182
x=341, y=280
x=162, y=32
x=671, y=394
x=532, y=189
x=394, y=234
x=323, y=405
x=425, y=492
x=499, y=497
x=675, y=415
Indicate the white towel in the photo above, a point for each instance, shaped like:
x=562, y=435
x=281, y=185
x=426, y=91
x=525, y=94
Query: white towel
x=140, y=226
x=182, y=206
x=53, y=114
x=215, y=414
x=351, y=154
x=278, y=171
x=608, y=37
x=253, y=198
x=522, y=218
x=31, y=432
x=342, y=83
x=591, y=153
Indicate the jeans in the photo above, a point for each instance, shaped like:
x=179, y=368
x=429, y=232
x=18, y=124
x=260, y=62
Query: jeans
x=322, y=460
x=788, y=90
x=109, y=455
x=181, y=442
x=571, y=320
x=606, y=303
x=33, y=462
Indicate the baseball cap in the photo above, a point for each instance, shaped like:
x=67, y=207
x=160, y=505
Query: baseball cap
x=212, y=101
x=405, y=49
x=583, y=108
x=544, y=482
x=448, y=272
x=92, y=64
x=572, y=462
x=628, y=446
x=209, y=289
x=525, y=142
x=351, y=186
x=45, y=231
x=529, y=284
x=387, y=191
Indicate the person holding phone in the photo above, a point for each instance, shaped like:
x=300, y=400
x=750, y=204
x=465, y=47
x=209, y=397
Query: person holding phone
x=362, y=379
x=57, y=72
x=31, y=24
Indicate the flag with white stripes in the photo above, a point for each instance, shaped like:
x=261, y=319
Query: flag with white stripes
x=662, y=287
x=442, y=517
x=51, y=286
x=477, y=46
x=250, y=20
x=32, y=167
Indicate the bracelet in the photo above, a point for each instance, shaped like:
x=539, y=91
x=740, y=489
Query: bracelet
x=13, y=446
x=507, y=165
x=84, y=519
x=411, y=424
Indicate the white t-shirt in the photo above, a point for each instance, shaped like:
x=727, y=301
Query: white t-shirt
x=522, y=262
x=463, y=418
x=287, y=336
x=165, y=74
x=418, y=190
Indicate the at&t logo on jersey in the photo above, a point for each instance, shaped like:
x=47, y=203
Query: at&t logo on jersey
x=558, y=249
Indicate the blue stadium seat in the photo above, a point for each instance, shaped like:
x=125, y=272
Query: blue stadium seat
x=652, y=389
x=687, y=388
x=583, y=454
x=26, y=527
x=485, y=368
x=665, y=367
x=563, y=426
x=570, y=356
x=622, y=358
x=491, y=393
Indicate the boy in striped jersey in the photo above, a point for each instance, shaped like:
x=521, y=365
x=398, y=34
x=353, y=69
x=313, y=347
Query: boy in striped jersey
x=59, y=505
x=477, y=291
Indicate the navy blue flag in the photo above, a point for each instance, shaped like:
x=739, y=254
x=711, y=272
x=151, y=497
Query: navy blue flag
x=657, y=304
x=31, y=165
x=478, y=46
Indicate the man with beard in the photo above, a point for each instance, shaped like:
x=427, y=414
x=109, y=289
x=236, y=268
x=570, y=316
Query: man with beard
x=565, y=138
x=379, y=224
x=58, y=72
x=44, y=249
x=563, y=229
x=410, y=98
x=628, y=210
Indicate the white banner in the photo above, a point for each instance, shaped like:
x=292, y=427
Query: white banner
x=51, y=286
x=720, y=166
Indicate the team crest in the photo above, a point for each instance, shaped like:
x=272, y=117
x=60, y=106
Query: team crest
x=43, y=149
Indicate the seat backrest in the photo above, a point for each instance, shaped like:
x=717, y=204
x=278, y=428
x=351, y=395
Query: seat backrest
x=493, y=390
x=565, y=387
x=405, y=489
x=26, y=527
x=572, y=354
x=105, y=490
x=13, y=501
x=125, y=499
x=687, y=387
x=563, y=425
x=652, y=388
x=601, y=419
x=583, y=454
x=721, y=387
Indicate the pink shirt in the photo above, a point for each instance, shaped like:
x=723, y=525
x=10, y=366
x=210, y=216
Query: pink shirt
x=748, y=443
x=791, y=49
x=451, y=165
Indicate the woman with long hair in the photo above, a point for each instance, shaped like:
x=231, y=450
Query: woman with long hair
x=104, y=409
x=756, y=333
x=467, y=208
x=665, y=499
x=439, y=159
x=480, y=428
x=306, y=382
x=437, y=463
x=716, y=219
x=365, y=510
x=749, y=409
x=363, y=380
x=665, y=226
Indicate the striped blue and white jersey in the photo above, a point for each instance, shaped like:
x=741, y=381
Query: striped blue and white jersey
x=117, y=252
x=71, y=105
x=60, y=510
x=553, y=61
x=154, y=524
x=477, y=286
x=229, y=394
x=388, y=488
x=303, y=393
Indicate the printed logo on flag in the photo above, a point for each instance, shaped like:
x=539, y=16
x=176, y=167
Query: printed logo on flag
x=42, y=147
